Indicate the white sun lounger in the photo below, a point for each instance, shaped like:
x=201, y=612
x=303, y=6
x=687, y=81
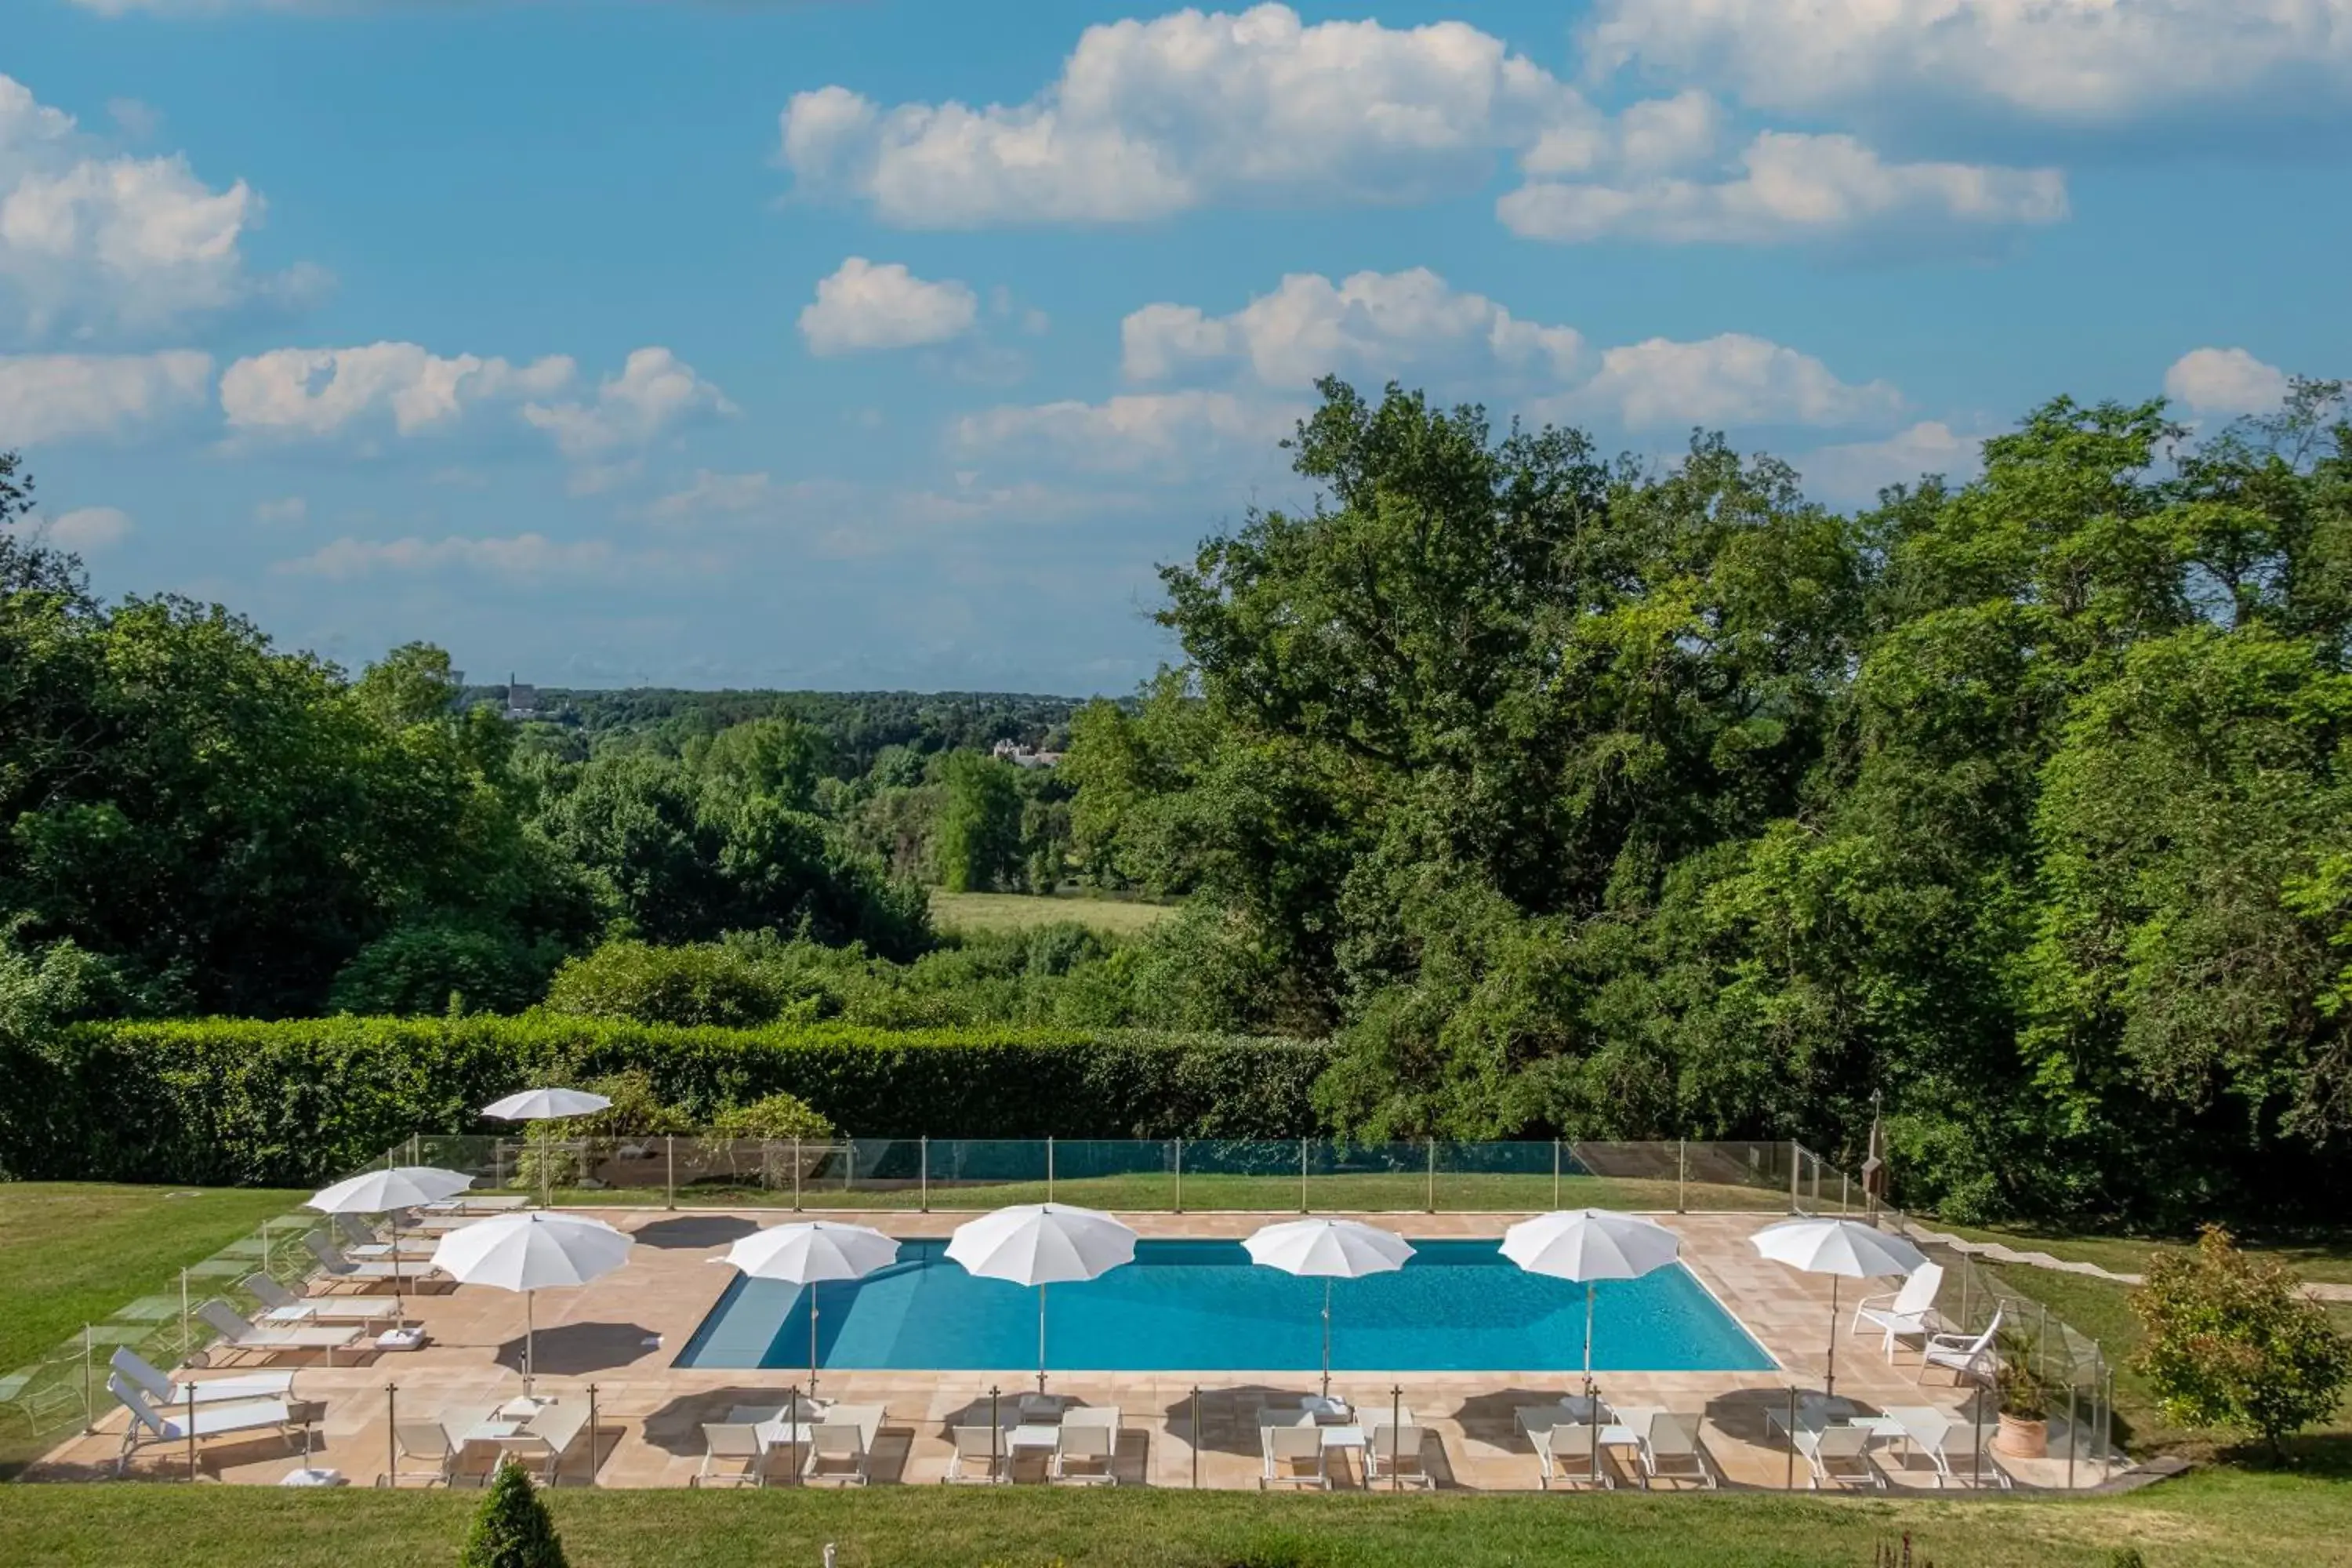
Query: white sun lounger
x=1671, y=1449
x=343, y=1270
x=281, y=1308
x=1950, y=1443
x=737, y=1443
x=1962, y=1356
x=1089, y=1439
x=237, y=1334
x=149, y=1425
x=845, y=1438
x=1293, y=1454
x=1838, y=1454
x=983, y=1447
x=1393, y=1452
x=167, y=1395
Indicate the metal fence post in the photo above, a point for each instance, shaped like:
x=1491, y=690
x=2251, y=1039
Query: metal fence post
x=1196, y=1430
x=1555, y=1172
x=1793, y=1168
x=89, y=1400
x=1396, y=1425
x=923, y=1174
x=592, y=1439
x=796, y=1174
x=1179, y=1190
x=1788, y=1475
x=1844, y=1191
x=1049, y=1167
x=1302, y=1175
x=391, y=1433
x=1682, y=1172
x=2073, y=1435
x=1432, y=1193
x=669, y=1177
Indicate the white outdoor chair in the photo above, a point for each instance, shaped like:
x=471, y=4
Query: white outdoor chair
x=1672, y=1450
x=736, y=1442
x=1952, y=1443
x=1838, y=1454
x=837, y=1448
x=1905, y=1314
x=551, y=1435
x=343, y=1271
x=1089, y=1440
x=426, y=1446
x=169, y=1395
x=1964, y=1357
x=1392, y=1452
x=237, y=1334
x=149, y=1425
x=1294, y=1456
x=983, y=1447
x=1569, y=1452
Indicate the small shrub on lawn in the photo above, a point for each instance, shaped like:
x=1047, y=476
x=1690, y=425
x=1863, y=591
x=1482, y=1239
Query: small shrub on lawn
x=2233, y=1342
x=512, y=1530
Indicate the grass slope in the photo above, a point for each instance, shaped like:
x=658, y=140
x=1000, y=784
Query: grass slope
x=72, y=1253
x=1020, y=911
x=2228, y=1518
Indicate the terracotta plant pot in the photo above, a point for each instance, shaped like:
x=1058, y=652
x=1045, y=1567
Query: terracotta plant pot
x=2023, y=1440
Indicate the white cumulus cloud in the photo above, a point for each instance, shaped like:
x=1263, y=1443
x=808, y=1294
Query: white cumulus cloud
x=1130, y=432
x=1371, y=323
x=56, y=397
x=87, y=529
x=1852, y=473
x=1786, y=187
x=1729, y=380
x=322, y=392
x=863, y=305
x=2225, y=380
x=94, y=242
x=1150, y=117
x=2079, y=61
x=654, y=393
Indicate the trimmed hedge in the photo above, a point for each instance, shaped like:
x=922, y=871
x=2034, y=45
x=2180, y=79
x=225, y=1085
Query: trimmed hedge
x=291, y=1103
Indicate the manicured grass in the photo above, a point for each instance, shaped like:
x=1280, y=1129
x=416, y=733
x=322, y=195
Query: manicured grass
x=71, y=1253
x=2228, y=1518
x=1019, y=911
x=2314, y=1259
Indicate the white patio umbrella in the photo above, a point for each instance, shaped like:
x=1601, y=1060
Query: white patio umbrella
x=1041, y=1245
x=1843, y=1249
x=1328, y=1250
x=808, y=1252
x=1589, y=1245
x=531, y=1252
x=543, y=1106
x=389, y=1191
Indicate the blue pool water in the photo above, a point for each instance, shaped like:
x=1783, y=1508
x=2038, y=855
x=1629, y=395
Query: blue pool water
x=1201, y=1306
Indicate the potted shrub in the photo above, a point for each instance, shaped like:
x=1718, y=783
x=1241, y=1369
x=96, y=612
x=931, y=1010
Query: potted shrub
x=2024, y=1402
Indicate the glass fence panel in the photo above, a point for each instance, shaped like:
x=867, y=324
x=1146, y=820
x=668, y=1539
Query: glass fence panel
x=1490, y=1177
x=1233, y=1173
x=1366, y=1178
x=986, y=1172
x=1748, y=1177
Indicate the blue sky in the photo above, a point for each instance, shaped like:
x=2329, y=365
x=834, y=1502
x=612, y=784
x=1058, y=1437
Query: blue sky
x=893, y=343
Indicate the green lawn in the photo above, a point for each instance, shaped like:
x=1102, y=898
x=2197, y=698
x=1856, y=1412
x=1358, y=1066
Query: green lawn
x=72, y=1253
x=2227, y=1517
x=1019, y=911
x=2328, y=1259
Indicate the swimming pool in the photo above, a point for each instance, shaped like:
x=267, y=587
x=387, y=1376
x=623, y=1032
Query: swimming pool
x=1201, y=1306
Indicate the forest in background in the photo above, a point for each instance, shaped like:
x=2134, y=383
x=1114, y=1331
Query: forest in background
x=1565, y=794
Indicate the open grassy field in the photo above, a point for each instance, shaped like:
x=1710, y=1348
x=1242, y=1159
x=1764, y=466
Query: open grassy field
x=2206, y=1521
x=72, y=1253
x=1019, y=911
x=2316, y=1258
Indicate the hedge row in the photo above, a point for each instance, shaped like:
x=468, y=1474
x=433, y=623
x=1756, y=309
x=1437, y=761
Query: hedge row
x=235, y=1102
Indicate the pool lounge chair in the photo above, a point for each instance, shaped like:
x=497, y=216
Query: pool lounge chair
x=360, y=1240
x=1905, y=1314
x=1951, y=1443
x=1293, y=1454
x=237, y=1334
x=982, y=1447
x=1089, y=1441
x=1964, y=1357
x=736, y=1443
x=1569, y=1452
x=149, y=1425
x=551, y=1435
x=1672, y=1449
x=343, y=1271
x=427, y=1447
x=1394, y=1453
x=841, y=1447
x=281, y=1308
x=169, y=1395
x=1837, y=1453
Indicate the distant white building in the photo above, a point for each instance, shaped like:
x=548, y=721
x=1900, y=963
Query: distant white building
x=522, y=701
x=1022, y=757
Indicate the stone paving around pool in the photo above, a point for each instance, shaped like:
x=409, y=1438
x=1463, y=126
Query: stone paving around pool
x=623, y=1333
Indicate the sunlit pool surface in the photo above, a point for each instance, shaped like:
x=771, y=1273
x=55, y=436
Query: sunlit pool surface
x=1201, y=1306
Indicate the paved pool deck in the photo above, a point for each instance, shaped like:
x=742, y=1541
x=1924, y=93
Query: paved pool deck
x=622, y=1334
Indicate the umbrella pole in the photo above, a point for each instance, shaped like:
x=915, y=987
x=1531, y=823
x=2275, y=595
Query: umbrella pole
x=395, y=1258
x=1587, y=1339
x=1828, y=1384
x=530, y=1342
x=1327, y=1337
x=812, y=1339
x=1041, y=1338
